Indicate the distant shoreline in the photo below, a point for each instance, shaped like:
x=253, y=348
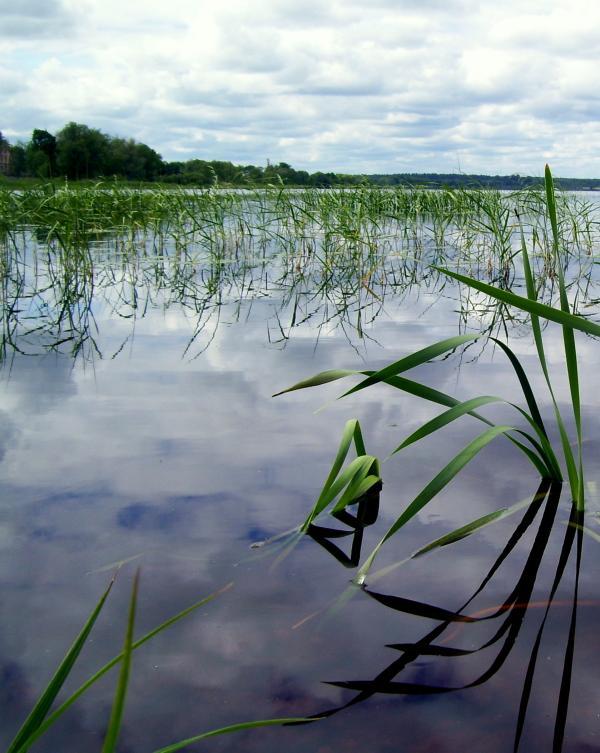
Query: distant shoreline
x=398, y=180
x=80, y=153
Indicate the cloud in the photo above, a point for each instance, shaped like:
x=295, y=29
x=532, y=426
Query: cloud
x=35, y=19
x=339, y=86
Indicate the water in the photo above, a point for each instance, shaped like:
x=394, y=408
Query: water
x=170, y=454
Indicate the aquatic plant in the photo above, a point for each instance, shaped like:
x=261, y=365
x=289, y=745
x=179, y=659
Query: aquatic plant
x=40, y=719
x=539, y=449
x=331, y=256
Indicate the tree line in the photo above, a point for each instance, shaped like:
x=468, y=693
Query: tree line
x=79, y=152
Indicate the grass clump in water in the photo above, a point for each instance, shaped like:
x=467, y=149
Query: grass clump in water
x=538, y=448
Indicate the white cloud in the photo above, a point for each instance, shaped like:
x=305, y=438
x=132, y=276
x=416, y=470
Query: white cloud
x=334, y=86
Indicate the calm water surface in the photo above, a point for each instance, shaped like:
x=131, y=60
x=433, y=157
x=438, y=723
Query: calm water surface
x=177, y=459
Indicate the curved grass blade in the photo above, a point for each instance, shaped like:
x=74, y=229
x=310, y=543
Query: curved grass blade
x=354, y=473
x=113, y=662
x=323, y=377
x=234, y=728
x=354, y=477
x=546, y=463
x=36, y=717
x=412, y=360
x=453, y=536
x=116, y=715
x=359, y=486
x=525, y=304
x=545, y=460
x=524, y=382
x=445, y=418
x=433, y=488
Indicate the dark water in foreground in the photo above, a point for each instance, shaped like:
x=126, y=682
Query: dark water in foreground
x=179, y=465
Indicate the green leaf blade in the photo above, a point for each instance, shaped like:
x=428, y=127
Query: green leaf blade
x=446, y=418
x=323, y=377
x=234, y=728
x=116, y=716
x=412, y=360
x=525, y=304
x=41, y=708
x=109, y=665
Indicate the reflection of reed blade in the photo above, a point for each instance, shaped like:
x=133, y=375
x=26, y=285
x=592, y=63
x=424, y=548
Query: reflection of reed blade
x=512, y=612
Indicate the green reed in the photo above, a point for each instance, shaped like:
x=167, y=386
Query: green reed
x=330, y=255
x=41, y=717
x=536, y=446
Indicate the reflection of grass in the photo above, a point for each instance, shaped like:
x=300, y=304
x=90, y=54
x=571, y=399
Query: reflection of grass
x=538, y=448
x=40, y=719
x=439, y=643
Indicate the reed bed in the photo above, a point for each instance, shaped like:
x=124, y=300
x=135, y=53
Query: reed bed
x=327, y=256
x=62, y=247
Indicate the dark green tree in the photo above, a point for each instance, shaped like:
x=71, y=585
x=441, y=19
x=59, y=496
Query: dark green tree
x=129, y=159
x=82, y=152
x=151, y=162
x=44, y=143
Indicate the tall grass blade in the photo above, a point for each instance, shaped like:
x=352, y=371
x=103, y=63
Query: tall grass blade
x=539, y=344
x=525, y=304
x=41, y=708
x=568, y=336
x=116, y=716
x=568, y=321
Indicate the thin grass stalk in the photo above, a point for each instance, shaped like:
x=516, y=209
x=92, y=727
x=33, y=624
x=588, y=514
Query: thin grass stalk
x=568, y=338
x=33, y=722
x=116, y=715
x=55, y=716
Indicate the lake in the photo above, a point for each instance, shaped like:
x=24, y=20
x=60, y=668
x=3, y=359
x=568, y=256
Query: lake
x=138, y=429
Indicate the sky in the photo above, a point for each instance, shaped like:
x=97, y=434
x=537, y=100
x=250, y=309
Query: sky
x=343, y=85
